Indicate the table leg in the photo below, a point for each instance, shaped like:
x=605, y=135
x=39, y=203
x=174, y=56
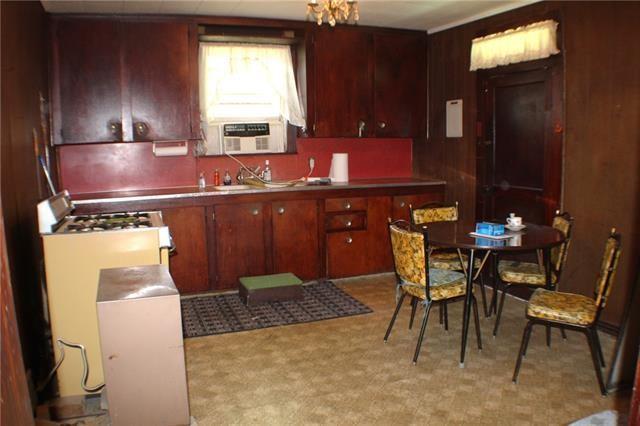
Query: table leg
x=466, y=314
x=494, y=276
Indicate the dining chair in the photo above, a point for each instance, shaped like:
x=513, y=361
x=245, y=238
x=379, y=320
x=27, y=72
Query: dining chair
x=575, y=311
x=513, y=273
x=414, y=277
x=452, y=260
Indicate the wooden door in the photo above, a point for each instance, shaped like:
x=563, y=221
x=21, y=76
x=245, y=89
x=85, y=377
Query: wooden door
x=86, y=81
x=158, y=72
x=189, y=263
x=400, y=95
x=295, y=238
x=347, y=254
x=238, y=239
x=519, y=154
x=344, y=82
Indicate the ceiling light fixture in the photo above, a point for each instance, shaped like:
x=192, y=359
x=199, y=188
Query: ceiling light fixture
x=333, y=10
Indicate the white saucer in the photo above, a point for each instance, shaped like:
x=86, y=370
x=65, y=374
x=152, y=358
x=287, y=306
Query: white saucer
x=515, y=227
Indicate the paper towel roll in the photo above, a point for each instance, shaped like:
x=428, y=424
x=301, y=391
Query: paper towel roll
x=170, y=149
x=339, y=171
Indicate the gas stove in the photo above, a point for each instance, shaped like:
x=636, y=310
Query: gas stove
x=108, y=222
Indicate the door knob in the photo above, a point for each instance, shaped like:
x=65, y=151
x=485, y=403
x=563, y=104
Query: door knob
x=347, y=205
x=254, y=212
x=281, y=210
x=349, y=240
x=115, y=128
x=382, y=124
x=348, y=224
x=140, y=128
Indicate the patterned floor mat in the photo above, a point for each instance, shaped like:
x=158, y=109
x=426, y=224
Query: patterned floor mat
x=225, y=313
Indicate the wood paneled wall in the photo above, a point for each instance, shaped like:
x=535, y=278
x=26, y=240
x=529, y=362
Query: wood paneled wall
x=601, y=183
x=24, y=79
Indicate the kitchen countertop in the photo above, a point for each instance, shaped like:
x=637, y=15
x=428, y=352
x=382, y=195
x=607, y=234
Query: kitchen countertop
x=209, y=191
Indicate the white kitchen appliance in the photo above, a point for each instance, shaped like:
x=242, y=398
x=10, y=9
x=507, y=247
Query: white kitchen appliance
x=245, y=137
x=76, y=248
x=142, y=348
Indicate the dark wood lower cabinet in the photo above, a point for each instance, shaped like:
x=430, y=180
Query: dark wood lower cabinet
x=238, y=236
x=295, y=238
x=378, y=248
x=400, y=209
x=189, y=265
x=347, y=254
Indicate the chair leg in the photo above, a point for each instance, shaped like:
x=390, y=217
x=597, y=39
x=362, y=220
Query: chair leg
x=596, y=362
x=414, y=303
x=422, y=330
x=484, y=297
x=445, y=308
x=441, y=314
x=564, y=335
x=477, y=320
x=596, y=338
x=523, y=348
x=499, y=314
x=393, y=318
x=548, y=336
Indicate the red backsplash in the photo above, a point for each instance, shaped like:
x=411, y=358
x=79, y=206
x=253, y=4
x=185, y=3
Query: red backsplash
x=129, y=166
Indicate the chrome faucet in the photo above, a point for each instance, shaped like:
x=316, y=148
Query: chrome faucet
x=240, y=177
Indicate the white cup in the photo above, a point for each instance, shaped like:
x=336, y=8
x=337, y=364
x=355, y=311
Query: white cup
x=514, y=220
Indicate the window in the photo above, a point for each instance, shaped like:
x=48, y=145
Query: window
x=247, y=83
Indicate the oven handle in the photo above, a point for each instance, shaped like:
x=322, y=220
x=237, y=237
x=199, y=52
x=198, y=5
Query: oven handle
x=172, y=246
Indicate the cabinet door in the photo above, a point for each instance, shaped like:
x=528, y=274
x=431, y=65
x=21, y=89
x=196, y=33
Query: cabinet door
x=158, y=69
x=343, y=83
x=347, y=254
x=401, y=203
x=189, y=263
x=378, y=247
x=400, y=84
x=239, y=243
x=86, y=81
x=295, y=238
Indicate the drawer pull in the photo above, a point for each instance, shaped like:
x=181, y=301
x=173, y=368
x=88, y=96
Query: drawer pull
x=254, y=212
x=281, y=210
x=347, y=205
x=348, y=224
x=348, y=240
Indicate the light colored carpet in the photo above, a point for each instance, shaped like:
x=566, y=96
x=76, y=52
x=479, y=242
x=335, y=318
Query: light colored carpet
x=340, y=371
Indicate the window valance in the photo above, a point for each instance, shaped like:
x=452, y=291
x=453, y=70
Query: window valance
x=535, y=41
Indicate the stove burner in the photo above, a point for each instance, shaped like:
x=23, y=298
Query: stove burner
x=107, y=222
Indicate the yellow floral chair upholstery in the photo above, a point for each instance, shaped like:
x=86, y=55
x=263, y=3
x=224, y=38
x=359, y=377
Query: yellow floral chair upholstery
x=439, y=258
x=575, y=311
x=515, y=273
x=415, y=278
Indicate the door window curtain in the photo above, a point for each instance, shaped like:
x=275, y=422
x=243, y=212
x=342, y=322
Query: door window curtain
x=248, y=81
x=535, y=41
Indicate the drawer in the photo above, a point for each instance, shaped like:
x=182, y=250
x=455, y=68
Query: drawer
x=347, y=254
x=345, y=204
x=346, y=221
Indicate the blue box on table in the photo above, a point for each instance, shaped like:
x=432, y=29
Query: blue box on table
x=489, y=228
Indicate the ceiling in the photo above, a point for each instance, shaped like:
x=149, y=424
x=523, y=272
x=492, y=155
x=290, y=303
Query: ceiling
x=428, y=15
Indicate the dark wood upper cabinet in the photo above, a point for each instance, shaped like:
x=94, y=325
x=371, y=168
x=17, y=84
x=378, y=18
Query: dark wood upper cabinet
x=343, y=81
x=121, y=80
x=400, y=96
x=157, y=65
x=86, y=81
x=374, y=77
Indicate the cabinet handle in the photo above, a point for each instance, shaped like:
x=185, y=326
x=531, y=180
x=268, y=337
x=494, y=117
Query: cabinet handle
x=348, y=224
x=115, y=128
x=254, y=212
x=347, y=205
x=140, y=128
x=281, y=210
x=382, y=124
x=402, y=204
x=348, y=240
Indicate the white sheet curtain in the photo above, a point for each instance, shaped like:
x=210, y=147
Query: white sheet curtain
x=535, y=41
x=248, y=77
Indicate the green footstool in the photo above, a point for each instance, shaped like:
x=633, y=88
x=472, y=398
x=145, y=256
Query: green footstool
x=270, y=288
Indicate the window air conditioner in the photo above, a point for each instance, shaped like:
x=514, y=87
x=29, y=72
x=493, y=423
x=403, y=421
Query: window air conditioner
x=245, y=137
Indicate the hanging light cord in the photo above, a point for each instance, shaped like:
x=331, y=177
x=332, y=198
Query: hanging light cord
x=85, y=367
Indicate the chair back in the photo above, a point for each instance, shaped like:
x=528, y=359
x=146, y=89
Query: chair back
x=563, y=222
x=410, y=254
x=607, y=269
x=434, y=212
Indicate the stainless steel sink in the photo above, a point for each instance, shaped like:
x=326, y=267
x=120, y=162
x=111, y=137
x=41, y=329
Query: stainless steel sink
x=233, y=187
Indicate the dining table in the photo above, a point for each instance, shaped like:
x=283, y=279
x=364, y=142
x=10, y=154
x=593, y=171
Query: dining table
x=456, y=235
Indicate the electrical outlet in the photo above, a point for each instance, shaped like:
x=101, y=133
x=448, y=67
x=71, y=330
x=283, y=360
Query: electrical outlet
x=312, y=163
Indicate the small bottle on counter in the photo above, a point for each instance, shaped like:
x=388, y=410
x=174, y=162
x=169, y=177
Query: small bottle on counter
x=227, y=178
x=216, y=178
x=202, y=183
x=266, y=174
